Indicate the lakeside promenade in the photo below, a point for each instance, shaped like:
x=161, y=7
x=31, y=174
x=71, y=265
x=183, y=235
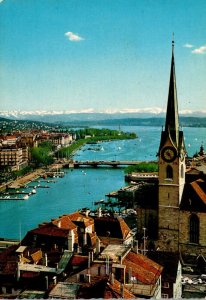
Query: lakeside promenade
x=20, y=181
x=17, y=183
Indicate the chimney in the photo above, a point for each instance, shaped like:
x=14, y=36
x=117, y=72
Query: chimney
x=130, y=275
x=85, y=238
x=87, y=212
x=88, y=278
x=97, y=245
x=59, y=223
x=122, y=290
x=55, y=280
x=46, y=260
x=92, y=256
x=18, y=272
x=47, y=282
x=71, y=240
x=57, y=266
x=112, y=278
x=99, y=212
x=89, y=262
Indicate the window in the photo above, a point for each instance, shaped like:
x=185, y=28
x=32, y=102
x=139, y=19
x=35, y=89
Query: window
x=169, y=172
x=194, y=229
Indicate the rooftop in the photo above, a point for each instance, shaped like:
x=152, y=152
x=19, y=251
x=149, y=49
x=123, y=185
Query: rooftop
x=65, y=290
x=114, y=252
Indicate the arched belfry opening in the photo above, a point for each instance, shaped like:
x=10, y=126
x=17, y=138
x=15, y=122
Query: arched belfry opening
x=169, y=172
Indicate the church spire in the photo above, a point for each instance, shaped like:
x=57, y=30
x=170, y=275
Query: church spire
x=172, y=122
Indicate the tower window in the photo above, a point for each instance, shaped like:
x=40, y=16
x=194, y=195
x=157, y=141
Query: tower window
x=169, y=172
x=194, y=229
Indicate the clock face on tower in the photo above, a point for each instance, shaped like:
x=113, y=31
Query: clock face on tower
x=168, y=154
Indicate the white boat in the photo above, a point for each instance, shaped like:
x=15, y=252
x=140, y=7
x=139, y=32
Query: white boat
x=26, y=197
x=33, y=191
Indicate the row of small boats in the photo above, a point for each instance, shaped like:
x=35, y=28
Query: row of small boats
x=12, y=197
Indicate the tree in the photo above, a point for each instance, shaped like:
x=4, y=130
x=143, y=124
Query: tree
x=41, y=156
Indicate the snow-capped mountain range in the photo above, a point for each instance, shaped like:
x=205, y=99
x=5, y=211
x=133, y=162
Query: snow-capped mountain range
x=90, y=114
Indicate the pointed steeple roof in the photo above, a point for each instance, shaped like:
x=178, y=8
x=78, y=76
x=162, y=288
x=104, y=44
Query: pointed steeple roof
x=172, y=120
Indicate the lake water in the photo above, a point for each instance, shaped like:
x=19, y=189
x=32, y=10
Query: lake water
x=81, y=187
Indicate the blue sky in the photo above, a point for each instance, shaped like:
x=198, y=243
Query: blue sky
x=101, y=55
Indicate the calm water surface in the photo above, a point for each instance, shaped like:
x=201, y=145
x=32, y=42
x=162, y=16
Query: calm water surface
x=81, y=187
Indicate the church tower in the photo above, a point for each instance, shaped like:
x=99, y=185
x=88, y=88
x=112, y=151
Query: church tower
x=171, y=170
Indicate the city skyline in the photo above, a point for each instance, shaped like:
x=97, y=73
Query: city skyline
x=101, y=56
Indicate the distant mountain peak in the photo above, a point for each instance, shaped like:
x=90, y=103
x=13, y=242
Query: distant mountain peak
x=91, y=114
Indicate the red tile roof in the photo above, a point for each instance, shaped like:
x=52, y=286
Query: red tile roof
x=64, y=222
x=57, y=227
x=194, y=196
x=78, y=260
x=198, y=186
x=144, y=269
x=115, y=290
x=50, y=230
x=79, y=217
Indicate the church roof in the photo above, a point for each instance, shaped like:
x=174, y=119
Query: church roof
x=194, y=196
x=171, y=131
x=172, y=121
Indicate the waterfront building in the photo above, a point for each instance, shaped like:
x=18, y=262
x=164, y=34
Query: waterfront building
x=60, y=139
x=13, y=157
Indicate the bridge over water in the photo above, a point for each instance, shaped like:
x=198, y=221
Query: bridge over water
x=96, y=163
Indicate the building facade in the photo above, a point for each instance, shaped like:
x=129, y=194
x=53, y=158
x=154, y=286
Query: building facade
x=13, y=158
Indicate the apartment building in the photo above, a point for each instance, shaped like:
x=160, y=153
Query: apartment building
x=13, y=158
